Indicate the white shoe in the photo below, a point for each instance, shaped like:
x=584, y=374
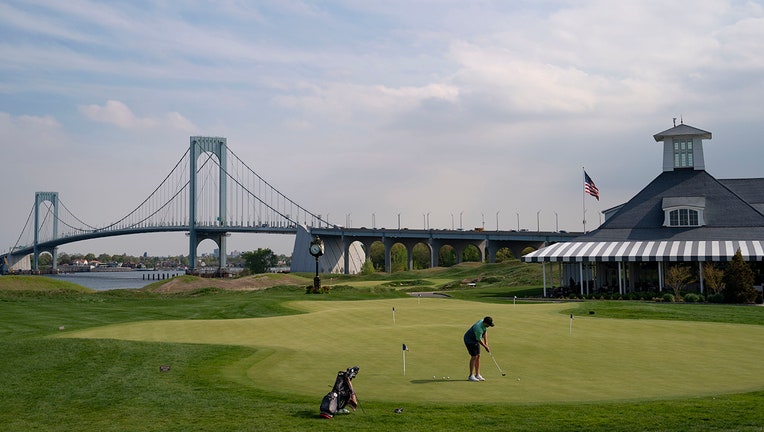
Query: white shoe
x=479, y=377
x=473, y=378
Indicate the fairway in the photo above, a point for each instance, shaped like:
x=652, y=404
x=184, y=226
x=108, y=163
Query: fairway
x=599, y=360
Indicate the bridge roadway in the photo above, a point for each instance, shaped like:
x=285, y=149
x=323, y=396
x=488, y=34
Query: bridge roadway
x=338, y=242
x=339, y=256
x=12, y=259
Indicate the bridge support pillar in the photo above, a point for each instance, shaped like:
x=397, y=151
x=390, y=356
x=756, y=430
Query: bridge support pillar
x=216, y=146
x=39, y=198
x=388, y=242
x=435, y=246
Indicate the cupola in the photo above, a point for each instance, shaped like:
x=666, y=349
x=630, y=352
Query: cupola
x=683, y=147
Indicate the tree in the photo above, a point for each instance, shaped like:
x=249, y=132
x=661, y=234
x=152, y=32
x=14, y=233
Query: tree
x=446, y=256
x=504, y=254
x=713, y=278
x=259, y=261
x=738, y=281
x=471, y=254
x=677, y=278
x=420, y=256
x=368, y=267
x=376, y=254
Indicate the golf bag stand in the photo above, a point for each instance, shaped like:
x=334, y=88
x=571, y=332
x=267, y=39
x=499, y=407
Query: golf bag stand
x=342, y=394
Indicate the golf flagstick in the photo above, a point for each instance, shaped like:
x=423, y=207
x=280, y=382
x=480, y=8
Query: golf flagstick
x=571, y=324
x=405, y=348
x=393, y=315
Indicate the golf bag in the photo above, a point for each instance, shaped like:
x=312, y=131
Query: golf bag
x=342, y=394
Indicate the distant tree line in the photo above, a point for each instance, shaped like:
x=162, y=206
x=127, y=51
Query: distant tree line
x=159, y=262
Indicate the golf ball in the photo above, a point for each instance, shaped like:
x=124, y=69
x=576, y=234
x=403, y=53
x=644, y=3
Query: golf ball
x=433, y=377
x=518, y=378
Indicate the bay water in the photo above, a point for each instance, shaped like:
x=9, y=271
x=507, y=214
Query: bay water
x=102, y=281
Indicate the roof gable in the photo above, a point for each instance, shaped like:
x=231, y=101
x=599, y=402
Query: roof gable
x=723, y=208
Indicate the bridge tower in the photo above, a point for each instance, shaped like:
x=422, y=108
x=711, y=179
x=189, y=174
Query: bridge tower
x=39, y=198
x=216, y=146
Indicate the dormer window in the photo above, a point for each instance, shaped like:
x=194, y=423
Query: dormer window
x=683, y=211
x=683, y=217
x=683, y=153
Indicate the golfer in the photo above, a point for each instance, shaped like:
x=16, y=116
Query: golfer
x=473, y=338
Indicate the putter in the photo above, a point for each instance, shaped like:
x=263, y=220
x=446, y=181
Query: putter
x=497, y=364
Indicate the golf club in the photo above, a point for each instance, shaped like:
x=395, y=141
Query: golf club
x=497, y=364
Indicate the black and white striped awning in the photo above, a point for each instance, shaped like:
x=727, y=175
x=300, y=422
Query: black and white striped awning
x=706, y=250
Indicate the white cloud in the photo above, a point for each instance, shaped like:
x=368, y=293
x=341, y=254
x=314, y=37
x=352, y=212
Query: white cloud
x=406, y=107
x=120, y=115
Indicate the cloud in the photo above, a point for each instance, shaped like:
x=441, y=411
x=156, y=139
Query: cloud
x=118, y=114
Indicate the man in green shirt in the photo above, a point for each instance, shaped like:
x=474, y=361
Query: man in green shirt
x=473, y=338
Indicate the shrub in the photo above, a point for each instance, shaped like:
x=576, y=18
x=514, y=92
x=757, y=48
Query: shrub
x=668, y=297
x=691, y=298
x=716, y=298
x=738, y=281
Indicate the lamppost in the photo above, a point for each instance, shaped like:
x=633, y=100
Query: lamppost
x=556, y=223
x=316, y=249
x=518, y=220
x=538, y=224
x=461, y=227
x=497, y=220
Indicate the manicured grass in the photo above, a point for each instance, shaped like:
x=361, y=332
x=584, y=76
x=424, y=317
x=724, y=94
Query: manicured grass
x=246, y=361
x=647, y=358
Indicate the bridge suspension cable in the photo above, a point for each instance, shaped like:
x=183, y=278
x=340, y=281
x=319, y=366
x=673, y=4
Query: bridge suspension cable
x=250, y=202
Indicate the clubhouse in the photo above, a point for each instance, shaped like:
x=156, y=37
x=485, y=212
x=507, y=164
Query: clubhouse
x=685, y=215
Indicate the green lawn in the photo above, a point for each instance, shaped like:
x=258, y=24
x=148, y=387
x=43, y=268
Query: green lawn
x=263, y=361
x=600, y=360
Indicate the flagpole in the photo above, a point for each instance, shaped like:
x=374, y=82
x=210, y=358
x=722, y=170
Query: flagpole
x=583, y=198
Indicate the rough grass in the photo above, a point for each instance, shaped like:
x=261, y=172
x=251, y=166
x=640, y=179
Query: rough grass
x=36, y=283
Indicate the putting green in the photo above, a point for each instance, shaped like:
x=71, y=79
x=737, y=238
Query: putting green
x=600, y=359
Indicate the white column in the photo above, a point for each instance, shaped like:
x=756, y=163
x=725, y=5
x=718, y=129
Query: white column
x=543, y=271
x=660, y=276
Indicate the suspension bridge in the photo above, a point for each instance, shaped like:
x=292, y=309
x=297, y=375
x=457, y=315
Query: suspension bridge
x=211, y=193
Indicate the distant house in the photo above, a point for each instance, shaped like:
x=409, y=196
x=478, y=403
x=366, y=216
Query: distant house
x=685, y=215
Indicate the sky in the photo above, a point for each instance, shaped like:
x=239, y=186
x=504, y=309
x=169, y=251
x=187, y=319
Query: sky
x=457, y=112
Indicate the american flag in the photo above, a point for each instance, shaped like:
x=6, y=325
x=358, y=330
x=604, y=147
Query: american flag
x=590, y=187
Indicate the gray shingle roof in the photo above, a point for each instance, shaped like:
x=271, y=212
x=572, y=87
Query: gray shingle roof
x=728, y=216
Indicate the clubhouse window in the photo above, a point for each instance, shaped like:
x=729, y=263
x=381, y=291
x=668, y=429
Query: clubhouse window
x=683, y=217
x=683, y=153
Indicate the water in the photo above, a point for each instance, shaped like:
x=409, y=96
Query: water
x=102, y=281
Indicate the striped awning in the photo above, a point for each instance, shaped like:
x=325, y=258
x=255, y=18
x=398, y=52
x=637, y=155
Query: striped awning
x=706, y=250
